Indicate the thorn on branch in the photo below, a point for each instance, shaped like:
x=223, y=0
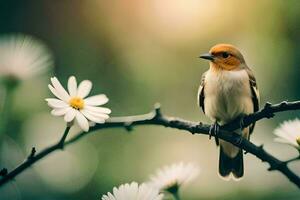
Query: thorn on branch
x=128, y=126
x=284, y=103
x=194, y=129
x=267, y=109
x=157, y=110
x=277, y=166
x=33, y=151
x=267, y=106
x=3, y=172
x=261, y=147
x=272, y=168
x=270, y=115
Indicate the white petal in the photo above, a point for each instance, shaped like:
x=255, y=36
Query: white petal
x=133, y=191
x=23, y=56
x=92, y=124
x=286, y=136
x=84, y=88
x=174, y=174
x=60, y=90
x=97, y=114
x=282, y=140
x=288, y=132
x=56, y=103
x=53, y=90
x=82, y=121
x=60, y=111
x=72, y=86
x=70, y=115
x=91, y=117
x=98, y=109
x=97, y=100
x=111, y=197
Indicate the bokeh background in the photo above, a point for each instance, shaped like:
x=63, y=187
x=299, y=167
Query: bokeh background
x=140, y=52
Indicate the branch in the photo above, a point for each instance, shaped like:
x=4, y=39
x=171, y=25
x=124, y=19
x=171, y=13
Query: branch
x=155, y=117
x=268, y=112
x=32, y=158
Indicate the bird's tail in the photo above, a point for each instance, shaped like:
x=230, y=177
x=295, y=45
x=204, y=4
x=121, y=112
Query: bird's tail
x=229, y=165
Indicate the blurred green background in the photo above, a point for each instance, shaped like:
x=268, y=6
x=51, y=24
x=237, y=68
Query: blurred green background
x=139, y=52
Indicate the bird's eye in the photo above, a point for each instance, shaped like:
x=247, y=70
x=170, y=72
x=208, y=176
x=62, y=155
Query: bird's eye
x=225, y=55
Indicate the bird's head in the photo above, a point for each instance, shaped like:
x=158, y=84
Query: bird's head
x=224, y=56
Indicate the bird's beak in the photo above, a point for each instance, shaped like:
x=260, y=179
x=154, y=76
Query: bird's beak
x=207, y=56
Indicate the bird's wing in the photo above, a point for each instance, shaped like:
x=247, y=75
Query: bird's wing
x=255, y=93
x=201, y=93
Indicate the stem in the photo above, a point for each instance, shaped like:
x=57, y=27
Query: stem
x=174, y=190
x=10, y=84
x=5, y=110
x=176, y=195
x=63, y=138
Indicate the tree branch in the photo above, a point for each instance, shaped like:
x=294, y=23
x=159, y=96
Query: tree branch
x=155, y=117
x=268, y=111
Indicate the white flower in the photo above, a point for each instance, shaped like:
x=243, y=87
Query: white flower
x=75, y=104
x=133, y=191
x=289, y=133
x=23, y=56
x=171, y=177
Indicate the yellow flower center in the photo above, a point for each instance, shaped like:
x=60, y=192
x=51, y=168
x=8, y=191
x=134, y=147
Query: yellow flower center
x=298, y=141
x=77, y=103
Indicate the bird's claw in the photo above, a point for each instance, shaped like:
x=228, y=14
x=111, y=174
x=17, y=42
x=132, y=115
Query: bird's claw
x=239, y=141
x=242, y=121
x=214, y=130
x=210, y=131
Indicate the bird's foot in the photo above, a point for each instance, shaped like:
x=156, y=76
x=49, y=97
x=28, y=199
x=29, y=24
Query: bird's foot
x=239, y=141
x=214, y=130
x=241, y=118
x=210, y=131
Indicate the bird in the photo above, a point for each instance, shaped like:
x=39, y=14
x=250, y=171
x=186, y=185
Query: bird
x=228, y=90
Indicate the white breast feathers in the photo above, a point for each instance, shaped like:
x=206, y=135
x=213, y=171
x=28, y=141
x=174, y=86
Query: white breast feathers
x=227, y=95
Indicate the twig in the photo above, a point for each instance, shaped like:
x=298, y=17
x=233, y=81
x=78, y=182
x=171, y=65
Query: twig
x=157, y=118
x=268, y=111
x=61, y=142
x=292, y=159
x=31, y=159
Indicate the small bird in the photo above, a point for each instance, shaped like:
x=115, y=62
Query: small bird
x=228, y=90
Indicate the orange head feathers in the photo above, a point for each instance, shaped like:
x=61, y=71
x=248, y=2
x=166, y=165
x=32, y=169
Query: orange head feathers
x=224, y=56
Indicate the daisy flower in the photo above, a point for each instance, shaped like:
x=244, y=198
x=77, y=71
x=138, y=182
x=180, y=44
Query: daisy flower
x=75, y=105
x=289, y=133
x=133, y=191
x=23, y=56
x=170, y=178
